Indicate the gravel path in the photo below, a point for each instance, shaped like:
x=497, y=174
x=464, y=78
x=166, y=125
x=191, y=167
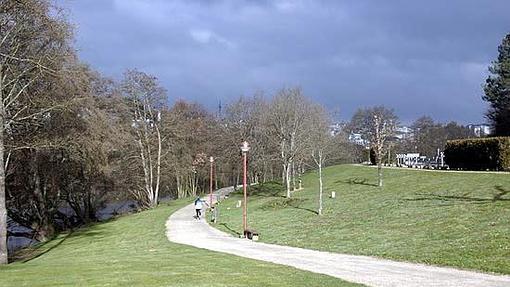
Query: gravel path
x=184, y=229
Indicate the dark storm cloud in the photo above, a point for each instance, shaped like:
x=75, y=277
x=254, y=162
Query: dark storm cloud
x=419, y=57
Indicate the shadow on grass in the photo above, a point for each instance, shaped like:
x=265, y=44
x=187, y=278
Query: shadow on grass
x=282, y=203
x=358, y=181
x=303, y=208
x=268, y=189
x=275, y=190
x=498, y=196
x=500, y=193
x=32, y=253
x=232, y=231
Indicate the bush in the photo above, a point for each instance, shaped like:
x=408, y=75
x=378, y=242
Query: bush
x=373, y=159
x=270, y=188
x=479, y=154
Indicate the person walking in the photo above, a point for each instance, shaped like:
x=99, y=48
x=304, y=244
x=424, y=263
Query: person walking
x=199, y=204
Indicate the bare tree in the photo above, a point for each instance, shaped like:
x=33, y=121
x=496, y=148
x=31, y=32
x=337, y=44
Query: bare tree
x=33, y=47
x=188, y=131
x=244, y=121
x=147, y=99
x=286, y=120
x=377, y=125
x=321, y=144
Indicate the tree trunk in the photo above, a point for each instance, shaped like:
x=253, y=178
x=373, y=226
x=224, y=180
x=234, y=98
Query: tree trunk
x=3, y=207
x=379, y=173
x=300, y=174
x=146, y=178
x=158, y=169
x=45, y=229
x=389, y=154
x=379, y=156
x=320, y=183
x=293, y=176
x=179, y=189
x=237, y=179
x=287, y=179
x=215, y=176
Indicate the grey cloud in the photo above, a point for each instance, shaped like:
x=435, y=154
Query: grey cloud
x=419, y=57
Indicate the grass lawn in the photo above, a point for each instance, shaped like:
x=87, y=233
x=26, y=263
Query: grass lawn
x=452, y=219
x=134, y=251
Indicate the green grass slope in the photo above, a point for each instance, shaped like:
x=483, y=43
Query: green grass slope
x=134, y=251
x=452, y=219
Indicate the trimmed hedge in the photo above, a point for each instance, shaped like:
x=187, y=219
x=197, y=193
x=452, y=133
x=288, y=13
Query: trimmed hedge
x=479, y=154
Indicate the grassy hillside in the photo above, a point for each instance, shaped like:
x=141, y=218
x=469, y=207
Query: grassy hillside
x=133, y=251
x=454, y=219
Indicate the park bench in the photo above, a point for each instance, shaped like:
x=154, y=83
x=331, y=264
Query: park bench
x=251, y=234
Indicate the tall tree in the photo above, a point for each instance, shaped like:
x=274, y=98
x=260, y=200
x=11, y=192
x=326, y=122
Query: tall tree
x=497, y=90
x=34, y=43
x=147, y=99
x=244, y=121
x=286, y=122
x=187, y=128
x=428, y=136
x=321, y=145
x=377, y=125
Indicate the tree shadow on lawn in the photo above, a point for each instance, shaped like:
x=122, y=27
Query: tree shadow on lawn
x=232, y=231
x=500, y=193
x=303, y=208
x=282, y=203
x=30, y=253
x=358, y=181
x=498, y=196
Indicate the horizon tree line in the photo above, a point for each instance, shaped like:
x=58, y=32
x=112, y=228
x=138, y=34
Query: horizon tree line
x=72, y=140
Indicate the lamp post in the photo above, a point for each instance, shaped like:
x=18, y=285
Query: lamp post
x=245, y=148
x=211, y=160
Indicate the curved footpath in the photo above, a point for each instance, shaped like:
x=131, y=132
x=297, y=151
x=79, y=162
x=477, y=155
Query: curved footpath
x=184, y=229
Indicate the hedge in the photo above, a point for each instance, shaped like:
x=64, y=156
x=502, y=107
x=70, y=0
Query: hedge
x=479, y=154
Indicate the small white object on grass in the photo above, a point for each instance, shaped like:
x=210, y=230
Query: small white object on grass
x=238, y=204
x=333, y=194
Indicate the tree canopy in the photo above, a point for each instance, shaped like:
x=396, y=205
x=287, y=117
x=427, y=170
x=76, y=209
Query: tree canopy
x=497, y=90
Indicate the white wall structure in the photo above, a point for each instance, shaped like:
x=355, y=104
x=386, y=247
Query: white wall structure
x=480, y=130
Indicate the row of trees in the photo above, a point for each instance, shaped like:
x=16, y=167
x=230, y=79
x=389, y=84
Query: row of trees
x=72, y=140
x=429, y=136
x=378, y=126
x=34, y=57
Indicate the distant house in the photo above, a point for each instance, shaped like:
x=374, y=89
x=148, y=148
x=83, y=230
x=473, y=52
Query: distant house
x=404, y=133
x=480, y=130
x=357, y=138
x=336, y=128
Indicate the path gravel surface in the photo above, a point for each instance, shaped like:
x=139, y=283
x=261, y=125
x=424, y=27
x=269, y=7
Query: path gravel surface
x=184, y=229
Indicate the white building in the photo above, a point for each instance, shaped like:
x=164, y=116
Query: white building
x=358, y=139
x=335, y=129
x=480, y=130
x=404, y=132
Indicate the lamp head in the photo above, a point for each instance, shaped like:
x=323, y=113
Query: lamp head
x=245, y=147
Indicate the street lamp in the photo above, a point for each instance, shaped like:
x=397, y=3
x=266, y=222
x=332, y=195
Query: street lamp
x=211, y=160
x=245, y=148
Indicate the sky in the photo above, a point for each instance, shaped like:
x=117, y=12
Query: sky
x=417, y=57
